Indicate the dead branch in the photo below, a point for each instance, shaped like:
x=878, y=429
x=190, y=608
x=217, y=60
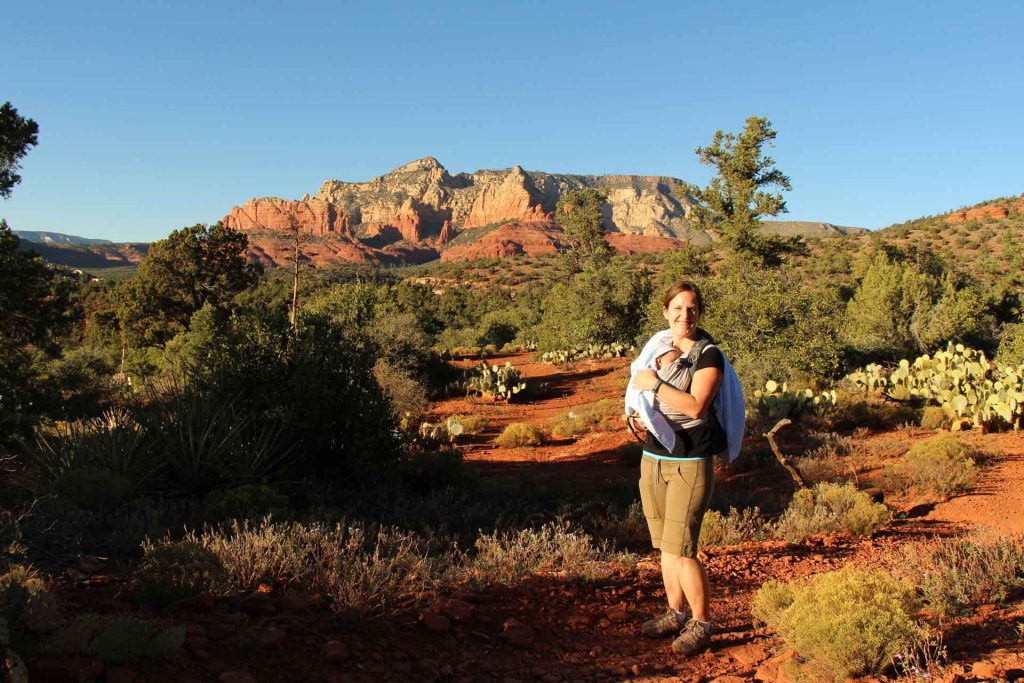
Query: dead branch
x=793, y=472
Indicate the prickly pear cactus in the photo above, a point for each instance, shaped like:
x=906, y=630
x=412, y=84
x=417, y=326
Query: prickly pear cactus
x=777, y=401
x=563, y=356
x=971, y=390
x=501, y=382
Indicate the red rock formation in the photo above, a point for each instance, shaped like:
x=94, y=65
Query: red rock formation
x=508, y=240
x=314, y=216
x=978, y=213
x=514, y=198
x=446, y=235
x=624, y=243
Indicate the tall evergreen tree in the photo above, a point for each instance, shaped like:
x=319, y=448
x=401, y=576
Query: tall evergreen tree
x=580, y=215
x=742, y=192
x=17, y=135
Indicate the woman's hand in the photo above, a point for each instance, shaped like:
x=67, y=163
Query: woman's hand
x=644, y=380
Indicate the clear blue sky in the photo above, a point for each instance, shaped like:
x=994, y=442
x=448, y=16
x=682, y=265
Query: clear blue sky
x=157, y=115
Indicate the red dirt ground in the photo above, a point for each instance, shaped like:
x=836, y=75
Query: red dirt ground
x=550, y=630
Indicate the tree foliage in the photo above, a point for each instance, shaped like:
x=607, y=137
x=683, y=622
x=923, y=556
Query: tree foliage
x=179, y=275
x=741, y=193
x=17, y=135
x=580, y=215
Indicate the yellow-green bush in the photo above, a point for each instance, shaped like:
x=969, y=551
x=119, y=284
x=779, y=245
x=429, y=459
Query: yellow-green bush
x=519, y=434
x=941, y=464
x=846, y=623
x=599, y=416
x=831, y=507
x=933, y=417
x=471, y=424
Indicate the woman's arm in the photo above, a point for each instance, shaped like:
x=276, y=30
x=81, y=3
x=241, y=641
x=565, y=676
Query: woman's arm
x=702, y=392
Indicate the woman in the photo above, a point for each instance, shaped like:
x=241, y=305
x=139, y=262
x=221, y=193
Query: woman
x=676, y=477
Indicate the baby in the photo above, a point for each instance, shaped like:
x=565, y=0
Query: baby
x=667, y=358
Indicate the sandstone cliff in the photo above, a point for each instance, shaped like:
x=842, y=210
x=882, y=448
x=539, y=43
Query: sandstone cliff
x=418, y=211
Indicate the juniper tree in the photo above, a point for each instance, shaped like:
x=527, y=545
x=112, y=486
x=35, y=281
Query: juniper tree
x=747, y=186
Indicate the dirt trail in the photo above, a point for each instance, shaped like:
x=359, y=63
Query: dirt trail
x=997, y=500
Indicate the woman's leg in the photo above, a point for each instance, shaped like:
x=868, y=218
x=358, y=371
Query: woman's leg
x=686, y=579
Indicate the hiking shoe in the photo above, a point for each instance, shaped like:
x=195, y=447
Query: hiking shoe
x=661, y=626
x=694, y=638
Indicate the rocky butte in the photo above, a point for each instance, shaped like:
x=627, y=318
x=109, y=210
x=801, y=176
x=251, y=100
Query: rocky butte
x=420, y=212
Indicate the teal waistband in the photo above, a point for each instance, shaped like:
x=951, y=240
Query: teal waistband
x=648, y=454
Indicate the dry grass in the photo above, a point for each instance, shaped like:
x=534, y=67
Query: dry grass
x=828, y=508
x=600, y=416
x=941, y=464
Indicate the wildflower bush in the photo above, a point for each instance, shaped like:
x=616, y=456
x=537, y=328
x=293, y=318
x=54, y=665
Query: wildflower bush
x=850, y=622
x=507, y=557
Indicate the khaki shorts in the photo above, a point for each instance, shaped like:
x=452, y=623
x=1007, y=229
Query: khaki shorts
x=675, y=495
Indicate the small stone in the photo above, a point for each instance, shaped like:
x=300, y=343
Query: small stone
x=300, y=601
x=194, y=628
x=220, y=631
x=201, y=654
x=986, y=670
x=197, y=642
x=236, y=677
x=120, y=674
x=635, y=669
x=335, y=651
x=258, y=604
x=617, y=615
x=271, y=637
x=434, y=622
x=457, y=610
x=578, y=621
x=748, y=654
x=517, y=634
x=71, y=669
x=729, y=679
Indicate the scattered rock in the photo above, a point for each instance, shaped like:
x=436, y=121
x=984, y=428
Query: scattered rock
x=517, y=634
x=986, y=670
x=120, y=674
x=457, y=610
x=579, y=621
x=335, y=651
x=729, y=679
x=69, y=669
x=300, y=601
x=748, y=654
x=220, y=631
x=258, y=604
x=271, y=637
x=434, y=622
x=236, y=677
x=617, y=615
x=774, y=670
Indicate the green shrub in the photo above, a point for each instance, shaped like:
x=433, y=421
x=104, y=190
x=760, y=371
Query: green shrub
x=1011, y=345
x=174, y=570
x=738, y=526
x=957, y=574
x=846, y=623
x=600, y=416
x=520, y=434
x=940, y=464
x=828, y=508
x=771, y=600
x=249, y=501
x=933, y=417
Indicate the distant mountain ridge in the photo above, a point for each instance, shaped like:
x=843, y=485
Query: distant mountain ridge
x=57, y=238
x=412, y=214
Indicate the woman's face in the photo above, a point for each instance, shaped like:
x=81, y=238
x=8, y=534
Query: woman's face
x=683, y=315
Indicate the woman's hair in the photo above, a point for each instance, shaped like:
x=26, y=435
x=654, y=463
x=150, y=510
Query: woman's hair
x=684, y=286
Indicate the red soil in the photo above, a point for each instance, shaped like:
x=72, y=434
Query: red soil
x=548, y=629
